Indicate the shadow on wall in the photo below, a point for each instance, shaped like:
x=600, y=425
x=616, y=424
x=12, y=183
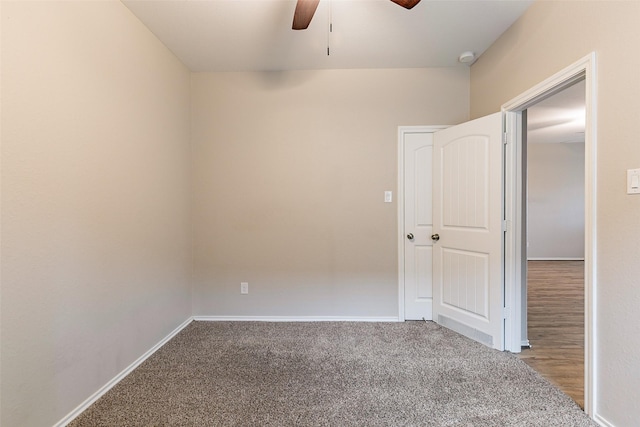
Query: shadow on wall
x=284, y=79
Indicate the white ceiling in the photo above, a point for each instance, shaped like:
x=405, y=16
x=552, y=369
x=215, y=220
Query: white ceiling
x=558, y=119
x=256, y=35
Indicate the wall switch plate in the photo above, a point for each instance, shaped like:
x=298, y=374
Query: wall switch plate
x=633, y=181
x=244, y=287
x=388, y=196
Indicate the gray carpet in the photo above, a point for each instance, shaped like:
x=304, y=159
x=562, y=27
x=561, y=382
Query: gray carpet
x=330, y=374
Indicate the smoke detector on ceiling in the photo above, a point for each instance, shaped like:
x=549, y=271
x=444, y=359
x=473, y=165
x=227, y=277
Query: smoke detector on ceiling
x=467, y=57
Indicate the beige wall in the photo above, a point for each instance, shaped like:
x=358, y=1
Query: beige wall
x=550, y=36
x=289, y=174
x=555, y=195
x=95, y=238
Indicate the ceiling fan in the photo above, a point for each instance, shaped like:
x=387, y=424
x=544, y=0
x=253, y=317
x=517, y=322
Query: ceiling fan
x=306, y=8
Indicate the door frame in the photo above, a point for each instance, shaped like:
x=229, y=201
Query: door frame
x=402, y=131
x=584, y=68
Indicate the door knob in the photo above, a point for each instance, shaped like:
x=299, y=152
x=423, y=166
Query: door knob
x=410, y=236
x=435, y=237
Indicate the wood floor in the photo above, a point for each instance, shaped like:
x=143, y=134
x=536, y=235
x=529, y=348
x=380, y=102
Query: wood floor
x=556, y=324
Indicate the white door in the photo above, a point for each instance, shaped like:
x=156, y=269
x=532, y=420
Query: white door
x=467, y=219
x=418, y=162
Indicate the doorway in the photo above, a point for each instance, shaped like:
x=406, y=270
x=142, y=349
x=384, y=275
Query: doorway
x=515, y=201
x=553, y=330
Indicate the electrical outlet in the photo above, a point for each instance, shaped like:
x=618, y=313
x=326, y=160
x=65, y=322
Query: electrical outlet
x=244, y=287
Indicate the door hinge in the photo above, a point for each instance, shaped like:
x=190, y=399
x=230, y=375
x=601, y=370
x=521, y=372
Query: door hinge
x=506, y=225
x=506, y=312
x=505, y=138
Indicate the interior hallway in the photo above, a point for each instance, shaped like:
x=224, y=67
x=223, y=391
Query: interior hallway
x=556, y=324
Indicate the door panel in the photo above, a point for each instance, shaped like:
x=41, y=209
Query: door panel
x=467, y=216
x=418, y=261
x=465, y=282
x=465, y=182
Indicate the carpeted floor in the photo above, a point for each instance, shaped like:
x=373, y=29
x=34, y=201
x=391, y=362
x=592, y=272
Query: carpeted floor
x=330, y=374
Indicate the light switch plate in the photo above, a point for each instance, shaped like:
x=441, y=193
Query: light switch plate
x=388, y=196
x=633, y=181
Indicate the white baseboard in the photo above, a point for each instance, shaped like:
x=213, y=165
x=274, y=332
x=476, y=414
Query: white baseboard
x=115, y=380
x=601, y=421
x=293, y=319
x=555, y=259
x=525, y=343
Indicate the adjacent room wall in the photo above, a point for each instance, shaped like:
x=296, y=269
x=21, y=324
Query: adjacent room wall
x=95, y=238
x=550, y=36
x=290, y=170
x=555, y=176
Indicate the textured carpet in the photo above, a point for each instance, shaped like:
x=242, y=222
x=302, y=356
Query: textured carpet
x=330, y=374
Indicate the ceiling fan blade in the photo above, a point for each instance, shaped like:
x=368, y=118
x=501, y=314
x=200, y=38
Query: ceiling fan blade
x=407, y=4
x=304, y=13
